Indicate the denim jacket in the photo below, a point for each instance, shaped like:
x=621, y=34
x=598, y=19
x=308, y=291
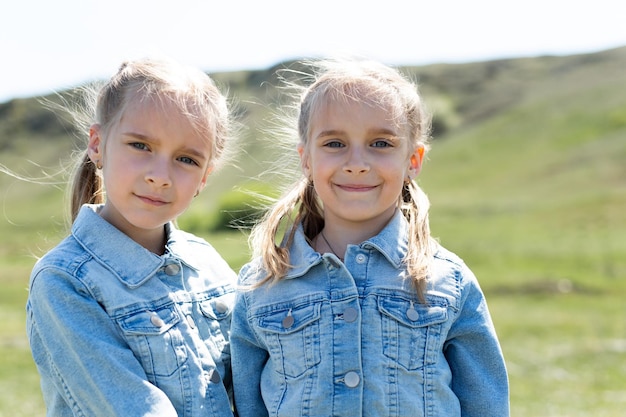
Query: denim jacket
x=116, y=330
x=352, y=339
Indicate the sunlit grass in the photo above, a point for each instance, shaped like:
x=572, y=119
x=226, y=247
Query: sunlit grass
x=532, y=198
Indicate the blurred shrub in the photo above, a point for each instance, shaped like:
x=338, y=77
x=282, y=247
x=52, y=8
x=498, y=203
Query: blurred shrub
x=243, y=206
x=238, y=208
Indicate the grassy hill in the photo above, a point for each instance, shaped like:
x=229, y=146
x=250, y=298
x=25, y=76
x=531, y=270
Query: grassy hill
x=546, y=166
x=527, y=179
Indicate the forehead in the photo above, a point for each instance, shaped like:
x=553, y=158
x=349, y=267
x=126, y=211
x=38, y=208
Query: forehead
x=342, y=113
x=151, y=112
x=163, y=119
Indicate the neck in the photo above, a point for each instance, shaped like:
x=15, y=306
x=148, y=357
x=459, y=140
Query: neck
x=338, y=253
x=340, y=233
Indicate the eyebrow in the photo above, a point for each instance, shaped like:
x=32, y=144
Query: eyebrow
x=325, y=133
x=191, y=151
x=376, y=131
x=140, y=136
x=383, y=131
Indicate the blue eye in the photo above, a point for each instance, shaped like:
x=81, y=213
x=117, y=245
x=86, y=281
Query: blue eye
x=139, y=145
x=187, y=160
x=381, y=143
x=334, y=144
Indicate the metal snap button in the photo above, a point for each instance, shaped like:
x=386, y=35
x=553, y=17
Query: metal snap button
x=288, y=321
x=172, y=269
x=351, y=379
x=360, y=258
x=412, y=314
x=350, y=314
x=156, y=320
x=221, y=307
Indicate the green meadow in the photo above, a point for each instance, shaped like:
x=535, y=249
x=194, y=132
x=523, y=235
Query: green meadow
x=527, y=181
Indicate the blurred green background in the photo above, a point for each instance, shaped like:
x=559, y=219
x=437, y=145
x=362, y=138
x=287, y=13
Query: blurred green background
x=527, y=179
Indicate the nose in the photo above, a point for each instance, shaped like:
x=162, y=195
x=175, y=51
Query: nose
x=356, y=162
x=158, y=173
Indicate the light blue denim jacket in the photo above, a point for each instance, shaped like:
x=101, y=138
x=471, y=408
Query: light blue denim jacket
x=352, y=338
x=116, y=330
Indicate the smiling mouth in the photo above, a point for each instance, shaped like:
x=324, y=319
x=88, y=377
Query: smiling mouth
x=356, y=188
x=153, y=201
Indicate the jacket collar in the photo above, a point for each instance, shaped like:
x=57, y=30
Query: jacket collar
x=130, y=262
x=391, y=242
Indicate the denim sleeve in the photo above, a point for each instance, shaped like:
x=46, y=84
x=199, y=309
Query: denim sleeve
x=479, y=376
x=248, y=360
x=84, y=362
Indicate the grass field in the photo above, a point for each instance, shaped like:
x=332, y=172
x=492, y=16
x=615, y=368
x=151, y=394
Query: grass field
x=556, y=295
x=530, y=191
x=564, y=343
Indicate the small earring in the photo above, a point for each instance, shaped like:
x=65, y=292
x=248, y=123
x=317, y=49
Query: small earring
x=98, y=164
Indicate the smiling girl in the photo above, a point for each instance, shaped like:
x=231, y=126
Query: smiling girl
x=358, y=311
x=130, y=316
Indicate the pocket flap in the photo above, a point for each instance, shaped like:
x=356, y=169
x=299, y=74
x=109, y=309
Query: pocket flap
x=218, y=308
x=279, y=322
x=422, y=315
x=150, y=322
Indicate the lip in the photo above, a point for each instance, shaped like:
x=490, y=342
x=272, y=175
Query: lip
x=356, y=187
x=152, y=200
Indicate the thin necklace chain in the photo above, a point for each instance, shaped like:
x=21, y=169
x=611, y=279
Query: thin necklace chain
x=329, y=246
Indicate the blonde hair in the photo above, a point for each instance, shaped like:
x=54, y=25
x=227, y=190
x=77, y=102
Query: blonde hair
x=192, y=91
x=377, y=85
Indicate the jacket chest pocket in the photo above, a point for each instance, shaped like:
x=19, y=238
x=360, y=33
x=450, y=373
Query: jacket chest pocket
x=293, y=338
x=411, y=331
x=156, y=340
x=216, y=314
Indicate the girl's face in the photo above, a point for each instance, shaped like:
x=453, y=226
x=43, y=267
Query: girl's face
x=154, y=163
x=358, y=160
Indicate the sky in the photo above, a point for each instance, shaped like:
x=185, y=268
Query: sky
x=48, y=46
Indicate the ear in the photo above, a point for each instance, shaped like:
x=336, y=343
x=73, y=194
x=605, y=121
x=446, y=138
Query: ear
x=304, y=160
x=205, y=178
x=415, y=160
x=95, y=146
